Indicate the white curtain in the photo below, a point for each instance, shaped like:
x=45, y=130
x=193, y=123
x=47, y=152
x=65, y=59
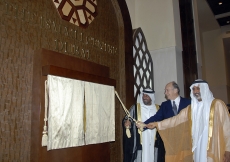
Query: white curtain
x=65, y=112
x=100, y=113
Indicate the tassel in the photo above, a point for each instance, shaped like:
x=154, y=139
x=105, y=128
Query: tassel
x=44, y=136
x=128, y=133
x=44, y=139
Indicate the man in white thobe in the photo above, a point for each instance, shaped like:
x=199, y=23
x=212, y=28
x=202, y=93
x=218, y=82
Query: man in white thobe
x=140, y=146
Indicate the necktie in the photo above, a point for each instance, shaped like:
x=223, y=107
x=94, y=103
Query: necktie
x=174, y=108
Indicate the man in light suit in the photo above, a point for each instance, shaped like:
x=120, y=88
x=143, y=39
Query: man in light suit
x=174, y=104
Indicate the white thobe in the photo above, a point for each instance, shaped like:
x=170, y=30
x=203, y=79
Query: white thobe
x=200, y=153
x=148, y=137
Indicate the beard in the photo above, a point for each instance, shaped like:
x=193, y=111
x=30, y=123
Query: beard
x=197, y=96
x=147, y=102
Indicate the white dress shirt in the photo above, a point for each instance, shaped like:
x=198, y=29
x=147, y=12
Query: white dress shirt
x=177, y=102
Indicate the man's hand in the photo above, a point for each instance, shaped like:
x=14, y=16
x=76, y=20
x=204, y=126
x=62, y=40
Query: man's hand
x=140, y=125
x=152, y=125
x=226, y=156
x=127, y=124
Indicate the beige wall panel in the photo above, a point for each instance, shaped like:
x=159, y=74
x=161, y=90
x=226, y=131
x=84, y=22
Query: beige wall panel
x=156, y=19
x=214, y=61
x=214, y=58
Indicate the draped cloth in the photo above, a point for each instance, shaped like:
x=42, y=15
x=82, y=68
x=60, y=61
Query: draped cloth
x=100, y=113
x=65, y=114
x=177, y=136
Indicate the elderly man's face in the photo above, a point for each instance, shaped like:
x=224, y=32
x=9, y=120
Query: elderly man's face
x=146, y=99
x=196, y=93
x=170, y=92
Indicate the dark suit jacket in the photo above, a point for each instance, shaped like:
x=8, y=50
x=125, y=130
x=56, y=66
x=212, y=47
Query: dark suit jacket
x=166, y=111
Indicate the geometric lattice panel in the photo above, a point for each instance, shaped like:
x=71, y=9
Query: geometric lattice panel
x=143, y=64
x=77, y=12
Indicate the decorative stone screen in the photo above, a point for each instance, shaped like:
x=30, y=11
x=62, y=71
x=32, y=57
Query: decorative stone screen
x=143, y=64
x=77, y=12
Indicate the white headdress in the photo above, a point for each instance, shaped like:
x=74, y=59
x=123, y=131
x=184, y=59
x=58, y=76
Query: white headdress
x=150, y=93
x=200, y=110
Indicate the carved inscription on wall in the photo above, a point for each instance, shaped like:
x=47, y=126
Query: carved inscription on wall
x=28, y=25
x=32, y=18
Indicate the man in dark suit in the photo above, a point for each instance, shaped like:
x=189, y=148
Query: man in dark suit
x=174, y=104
